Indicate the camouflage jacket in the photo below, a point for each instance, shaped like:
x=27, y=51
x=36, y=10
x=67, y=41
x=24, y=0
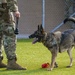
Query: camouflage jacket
x=11, y=3
x=6, y=14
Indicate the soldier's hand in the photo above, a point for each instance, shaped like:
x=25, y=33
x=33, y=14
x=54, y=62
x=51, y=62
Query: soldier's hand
x=17, y=14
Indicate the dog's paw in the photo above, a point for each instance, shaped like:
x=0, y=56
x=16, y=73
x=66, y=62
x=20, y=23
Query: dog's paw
x=68, y=66
x=55, y=65
x=49, y=69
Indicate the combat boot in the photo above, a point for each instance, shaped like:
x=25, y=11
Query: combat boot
x=12, y=65
x=2, y=65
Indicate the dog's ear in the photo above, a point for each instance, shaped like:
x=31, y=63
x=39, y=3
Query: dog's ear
x=38, y=27
x=41, y=27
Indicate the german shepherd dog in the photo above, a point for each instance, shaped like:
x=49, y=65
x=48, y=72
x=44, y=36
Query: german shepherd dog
x=56, y=42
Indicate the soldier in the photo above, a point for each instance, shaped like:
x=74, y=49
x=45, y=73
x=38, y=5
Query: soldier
x=7, y=35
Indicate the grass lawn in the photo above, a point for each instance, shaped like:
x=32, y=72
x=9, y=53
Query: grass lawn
x=32, y=56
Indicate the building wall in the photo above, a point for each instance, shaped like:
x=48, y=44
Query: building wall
x=31, y=15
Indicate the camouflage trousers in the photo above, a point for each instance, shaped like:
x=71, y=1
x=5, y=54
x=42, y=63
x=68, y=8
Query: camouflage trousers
x=8, y=40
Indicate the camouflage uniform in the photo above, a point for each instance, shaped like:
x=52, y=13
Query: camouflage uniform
x=7, y=35
x=70, y=9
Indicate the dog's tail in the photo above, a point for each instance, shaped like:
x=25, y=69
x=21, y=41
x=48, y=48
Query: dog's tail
x=69, y=19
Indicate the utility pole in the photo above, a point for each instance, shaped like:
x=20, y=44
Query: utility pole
x=43, y=13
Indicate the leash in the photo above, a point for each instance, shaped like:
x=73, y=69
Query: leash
x=16, y=28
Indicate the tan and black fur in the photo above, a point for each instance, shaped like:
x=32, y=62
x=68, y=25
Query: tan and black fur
x=56, y=42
